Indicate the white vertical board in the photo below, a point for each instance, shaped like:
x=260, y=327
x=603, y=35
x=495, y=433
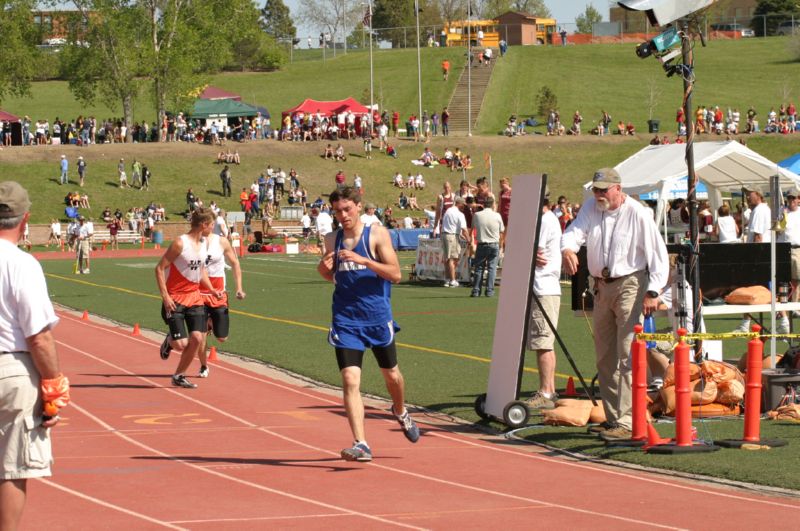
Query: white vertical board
x=509, y=328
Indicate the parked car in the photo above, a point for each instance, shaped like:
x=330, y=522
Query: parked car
x=788, y=27
x=736, y=28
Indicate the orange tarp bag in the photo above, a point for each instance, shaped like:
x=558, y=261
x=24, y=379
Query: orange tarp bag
x=719, y=371
x=669, y=375
x=730, y=393
x=714, y=410
x=749, y=295
x=568, y=412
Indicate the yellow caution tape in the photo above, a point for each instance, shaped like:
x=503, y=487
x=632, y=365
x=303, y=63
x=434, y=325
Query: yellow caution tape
x=722, y=335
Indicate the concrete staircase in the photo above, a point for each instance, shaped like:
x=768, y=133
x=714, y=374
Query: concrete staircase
x=459, y=103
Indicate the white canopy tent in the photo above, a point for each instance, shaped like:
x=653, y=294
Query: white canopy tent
x=722, y=166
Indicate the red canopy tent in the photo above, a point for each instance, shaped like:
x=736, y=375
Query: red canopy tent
x=328, y=107
x=215, y=93
x=8, y=117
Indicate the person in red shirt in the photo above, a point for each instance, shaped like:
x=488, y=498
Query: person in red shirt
x=395, y=122
x=680, y=118
x=340, y=179
x=445, y=69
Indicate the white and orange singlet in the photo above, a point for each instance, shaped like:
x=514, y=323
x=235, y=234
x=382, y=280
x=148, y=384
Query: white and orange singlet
x=185, y=273
x=215, y=267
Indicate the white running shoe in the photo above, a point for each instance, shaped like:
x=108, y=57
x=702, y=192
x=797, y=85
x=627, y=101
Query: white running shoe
x=743, y=327
x=454, y=283
x=783, y=326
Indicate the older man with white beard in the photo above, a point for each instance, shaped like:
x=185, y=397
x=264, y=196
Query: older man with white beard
x=628, y=259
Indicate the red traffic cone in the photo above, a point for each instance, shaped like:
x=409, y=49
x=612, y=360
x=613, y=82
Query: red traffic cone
x=570, y=390
x=136, y=331
x=212, y=355
x=85, y=316
x=653, y=438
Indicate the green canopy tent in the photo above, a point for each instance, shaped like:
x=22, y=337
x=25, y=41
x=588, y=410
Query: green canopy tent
x=221, y=109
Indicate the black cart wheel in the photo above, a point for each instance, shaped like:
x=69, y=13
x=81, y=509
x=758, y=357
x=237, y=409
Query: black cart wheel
x=516, y=414
x=480, y=406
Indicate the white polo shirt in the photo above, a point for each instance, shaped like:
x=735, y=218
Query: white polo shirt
x=25, y=307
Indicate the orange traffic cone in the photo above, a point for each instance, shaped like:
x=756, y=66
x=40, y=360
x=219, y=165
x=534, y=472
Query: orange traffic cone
x=212, y=355
x=653, y=438
x=85, y=316
x=570, y=390
x=136, y=331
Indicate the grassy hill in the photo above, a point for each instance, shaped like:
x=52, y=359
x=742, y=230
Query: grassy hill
x=589, y=78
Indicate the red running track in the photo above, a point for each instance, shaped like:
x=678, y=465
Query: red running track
x=250, y=450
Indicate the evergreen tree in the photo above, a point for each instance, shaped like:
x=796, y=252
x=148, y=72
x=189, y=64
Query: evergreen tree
x=276, y=20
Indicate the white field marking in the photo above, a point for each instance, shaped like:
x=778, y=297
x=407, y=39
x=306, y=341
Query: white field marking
x=68, y=490
x=260, y=518
x=210, y=471
x=328, y=452
x=136, y=265
x=595, y=468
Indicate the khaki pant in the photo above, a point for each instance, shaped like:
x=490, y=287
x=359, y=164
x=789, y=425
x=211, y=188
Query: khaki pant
x=617, y=308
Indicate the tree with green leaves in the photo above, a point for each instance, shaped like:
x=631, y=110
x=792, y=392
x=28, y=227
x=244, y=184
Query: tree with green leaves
x=19, y=56
x=536, y=8
x=277, y=21
x=104, y=59
x=775, y=11
x=587, y=19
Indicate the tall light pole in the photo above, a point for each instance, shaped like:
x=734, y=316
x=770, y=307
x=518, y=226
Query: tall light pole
x=469, y=69
x=419, y=64
x=371, y=71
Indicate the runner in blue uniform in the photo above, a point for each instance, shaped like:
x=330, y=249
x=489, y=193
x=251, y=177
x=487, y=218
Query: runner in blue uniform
x=362, y=265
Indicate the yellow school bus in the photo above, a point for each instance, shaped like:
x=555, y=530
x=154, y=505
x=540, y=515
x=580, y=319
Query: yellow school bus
x=458, y=31
x=515, y=28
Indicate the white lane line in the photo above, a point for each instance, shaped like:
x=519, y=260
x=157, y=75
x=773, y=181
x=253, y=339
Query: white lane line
x=210, y=471
x=328, y=452
x=469, y=442
x=109, y=505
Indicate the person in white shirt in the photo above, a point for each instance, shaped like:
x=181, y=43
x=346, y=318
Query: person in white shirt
x=627, y=257
x=547, y=288
x=488, y=227
x=357, y=182
x=758, y=226
x=791, y=235
x=408, y=222
x=55, y=233
x=305, y=222
x=324, y=226
x=83, y=247
x=220, y=225
x=420, y=182
x=368, y=217
x=727, y=230
x=454, y=224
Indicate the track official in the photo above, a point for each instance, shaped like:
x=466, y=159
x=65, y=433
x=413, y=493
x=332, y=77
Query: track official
x=628, y=259
x=29, y=368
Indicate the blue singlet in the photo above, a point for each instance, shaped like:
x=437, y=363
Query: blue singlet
x=360, y=297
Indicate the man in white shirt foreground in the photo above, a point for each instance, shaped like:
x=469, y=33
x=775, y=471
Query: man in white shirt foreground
x=628, y=259
x=547, y=288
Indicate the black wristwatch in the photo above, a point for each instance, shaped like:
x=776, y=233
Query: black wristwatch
x=652, y=294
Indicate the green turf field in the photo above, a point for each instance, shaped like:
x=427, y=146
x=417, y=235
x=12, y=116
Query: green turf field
x=444, y=347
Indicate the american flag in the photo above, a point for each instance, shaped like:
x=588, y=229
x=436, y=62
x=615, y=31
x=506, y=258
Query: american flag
x=367, y=20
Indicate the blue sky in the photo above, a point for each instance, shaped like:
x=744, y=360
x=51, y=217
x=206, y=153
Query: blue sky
x=564, y=11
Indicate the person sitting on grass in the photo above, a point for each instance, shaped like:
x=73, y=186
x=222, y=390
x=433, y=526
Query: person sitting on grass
x=339, y=153
x=427, y=157
x=410, y=181
x=630, y=130
x=412, y=202
x=328, y=152
x=402, y=201
x=222, y=158
x=391, y=151
x=398, y=180
x=621, y=128
x=84, y=201
x=419, y=182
